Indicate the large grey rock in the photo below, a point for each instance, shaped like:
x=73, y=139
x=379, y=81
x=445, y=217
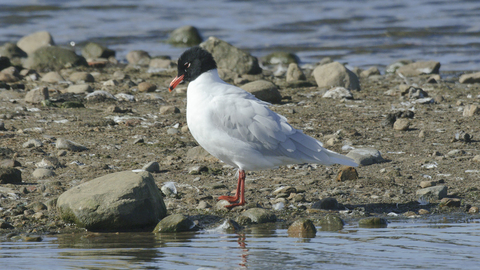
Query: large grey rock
x=175, y=223
x=185, y=36
x=117, y=201
x=230, y=57
x=366, y=156
x=419, y=68
x=435, y=192
x=263, y=90
x=470, y=78
x=335, y=74
x=53, y=58
x=33, y=42
x=94, y=50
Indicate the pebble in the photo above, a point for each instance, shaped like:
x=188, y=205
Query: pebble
x=326, y=204
x=33, y=143
x=401, y=124
x=423, y=212
x=30, y=238
x=110, y=83
x=125, y=97
x=81, y=77
x=138, y=57
x=5, y=225
x=152, y=167
x=230, y=57
x=284, y=190
x=435, y=78
x=100, y=95
x=119, y=75
x=295, y=73
x=373, y=222
x=473, y=210
x=476, y=158
x=37, y=95
x=159, y=64
x=146, y=87
x=370, y=72
x=185, y=36
x=470, y=78
x=10, y=175
x=175, y=223
x=167, y=110
x=41, y=173
x=346, y=173
x=197, y=169
x=172, y=131
x=302, y=228
x=79, y=89
x=471, y=110
x=335, y=74
x=33, y=42
x=259, y=215
x=450, y=202
x=331, y=222
x=65, y=144
x=263, y=90
x=425, y=184
x=455, y=153
x=169, y=189
x=435, y=192
x=4, y=77
x=94, y=50
x=366, y=156
x=9, y=163
x=338, y=93
x=203, y=205
x=419, y=68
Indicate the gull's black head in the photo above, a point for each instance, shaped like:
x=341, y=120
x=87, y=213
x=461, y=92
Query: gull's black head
x=191, y=64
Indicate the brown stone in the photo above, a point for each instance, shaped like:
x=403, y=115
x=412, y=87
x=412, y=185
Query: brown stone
x=146, y=87
x=347, y=173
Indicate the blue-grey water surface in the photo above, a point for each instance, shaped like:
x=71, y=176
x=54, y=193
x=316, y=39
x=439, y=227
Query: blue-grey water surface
x=361, y=33
x=402, y=245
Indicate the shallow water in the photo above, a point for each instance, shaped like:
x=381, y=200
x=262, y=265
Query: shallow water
x=402, y=245
x=361, y=33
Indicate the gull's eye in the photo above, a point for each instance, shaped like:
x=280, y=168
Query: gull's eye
x=186, y=65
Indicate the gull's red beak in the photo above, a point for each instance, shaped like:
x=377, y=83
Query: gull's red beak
x=175, y=82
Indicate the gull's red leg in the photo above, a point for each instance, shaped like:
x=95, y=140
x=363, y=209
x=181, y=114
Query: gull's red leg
x=240, y=189
x=235, y=198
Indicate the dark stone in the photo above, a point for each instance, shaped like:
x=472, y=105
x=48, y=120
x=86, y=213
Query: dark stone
x=326, y=204
x=10, y=175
